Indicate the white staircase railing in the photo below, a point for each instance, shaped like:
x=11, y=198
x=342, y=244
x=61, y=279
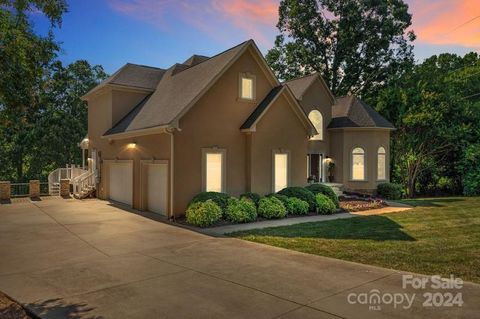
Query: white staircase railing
x=84, y=184
x=54, y=177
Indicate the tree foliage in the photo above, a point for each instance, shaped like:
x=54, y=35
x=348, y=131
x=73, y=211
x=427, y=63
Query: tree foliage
x=34, y=88
x=356, y=45
x=437, y=114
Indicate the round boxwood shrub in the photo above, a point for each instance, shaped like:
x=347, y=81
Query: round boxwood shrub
x=296, y=206
x=221, y=199
x=252, y=196
x=325, y=206
x=241, y=210
x=300, y=193
x=325, y=190
x=281, y=197
x=203, y=214
x=271, y=207
x=389, y=191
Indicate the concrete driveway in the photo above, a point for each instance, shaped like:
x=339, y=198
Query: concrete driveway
x=90, y=259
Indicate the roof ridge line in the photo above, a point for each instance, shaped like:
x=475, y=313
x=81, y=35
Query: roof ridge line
x=145, y=66
x=301, y=77
x=214, y=56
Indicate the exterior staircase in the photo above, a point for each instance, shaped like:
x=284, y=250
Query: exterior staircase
x=83, y=181
x=337, y=188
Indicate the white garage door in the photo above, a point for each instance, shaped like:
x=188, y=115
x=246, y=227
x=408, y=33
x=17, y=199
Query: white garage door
x=157, y=177
x=121, y=182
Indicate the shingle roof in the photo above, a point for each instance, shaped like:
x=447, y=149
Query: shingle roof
x=135, y=75
x=195, y=59
x=123, y=125
x=178, y=88
x=261, y=107
x=350, y=111
x=300, y=85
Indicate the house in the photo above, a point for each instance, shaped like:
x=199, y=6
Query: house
x=225, y=123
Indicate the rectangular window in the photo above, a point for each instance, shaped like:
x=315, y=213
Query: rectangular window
x=247, y=88
x=213, y=170
x=280, y=167
x=381, y=167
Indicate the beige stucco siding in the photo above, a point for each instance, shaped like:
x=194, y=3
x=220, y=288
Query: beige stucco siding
x=123, y=102
x=316, y=97
x=150, y=147
x=370, y=140
x=278, y=129
x=214, y=121
x=336, y=154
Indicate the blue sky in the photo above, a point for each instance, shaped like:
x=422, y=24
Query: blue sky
x=163, y=32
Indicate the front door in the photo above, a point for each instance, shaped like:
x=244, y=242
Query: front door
x=315, y=167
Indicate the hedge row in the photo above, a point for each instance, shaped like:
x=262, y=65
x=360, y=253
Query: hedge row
x=207, y=208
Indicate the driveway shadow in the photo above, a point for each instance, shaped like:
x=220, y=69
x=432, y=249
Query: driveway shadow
x=377, y=227
x=57, y=308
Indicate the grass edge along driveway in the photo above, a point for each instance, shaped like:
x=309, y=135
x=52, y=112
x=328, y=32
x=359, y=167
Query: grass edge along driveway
x=440, y=236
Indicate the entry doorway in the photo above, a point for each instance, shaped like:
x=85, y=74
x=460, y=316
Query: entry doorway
x=315, y=167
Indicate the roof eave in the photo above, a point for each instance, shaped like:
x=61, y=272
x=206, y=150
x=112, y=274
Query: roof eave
x=137, y=133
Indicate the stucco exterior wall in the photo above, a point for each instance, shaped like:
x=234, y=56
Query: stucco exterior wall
x=316, y=97
x=149, y=147
x=124, y=102
x=214, y=121
x=279, y=129
x=370, y=140
x=336, y=153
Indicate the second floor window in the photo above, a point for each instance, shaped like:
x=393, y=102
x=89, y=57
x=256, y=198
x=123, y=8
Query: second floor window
x=317, y=120
x=247, y=86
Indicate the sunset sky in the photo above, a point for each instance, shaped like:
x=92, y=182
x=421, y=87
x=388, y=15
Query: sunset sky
x=162, y=32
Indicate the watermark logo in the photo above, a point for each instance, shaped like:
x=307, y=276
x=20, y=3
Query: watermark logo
x=443, y=292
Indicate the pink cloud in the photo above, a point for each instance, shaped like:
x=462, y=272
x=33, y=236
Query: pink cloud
x=447, y=22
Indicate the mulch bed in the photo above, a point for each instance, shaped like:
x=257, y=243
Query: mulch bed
x=357, y=205
x=9, y=309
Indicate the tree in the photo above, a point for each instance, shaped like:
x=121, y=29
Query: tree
x=437, y=118
x=62, y=122
x=41, y=115
x=356, y=45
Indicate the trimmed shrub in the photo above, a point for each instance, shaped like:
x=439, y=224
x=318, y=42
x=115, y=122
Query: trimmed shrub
x=300, y=193
x=296, y=206
x=221, y=199
x=325, y=190
x=203, y=214
x=252, y=196
x=271, y=207
x=325, y=206
x=389, y=191
x=241, y=210
x=281, y=197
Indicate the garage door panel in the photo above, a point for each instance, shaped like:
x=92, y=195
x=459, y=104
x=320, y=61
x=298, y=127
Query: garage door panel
x=121, y=182
x=157, y=188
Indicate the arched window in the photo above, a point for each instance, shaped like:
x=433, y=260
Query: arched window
x=358, y=164
x=317, y=120
x=381, y=164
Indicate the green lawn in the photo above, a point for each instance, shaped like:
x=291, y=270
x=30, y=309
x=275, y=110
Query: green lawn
x=439, y=236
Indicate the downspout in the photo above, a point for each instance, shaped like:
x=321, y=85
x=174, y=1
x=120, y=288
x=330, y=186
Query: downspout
x=169, y=131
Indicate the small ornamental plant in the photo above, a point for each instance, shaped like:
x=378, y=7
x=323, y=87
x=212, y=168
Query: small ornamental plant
x=271, y=207
x=241, y=210
x=203, y=214
x=252, y=196
x=325, y=190
x=296, y=206
x=325, y=206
